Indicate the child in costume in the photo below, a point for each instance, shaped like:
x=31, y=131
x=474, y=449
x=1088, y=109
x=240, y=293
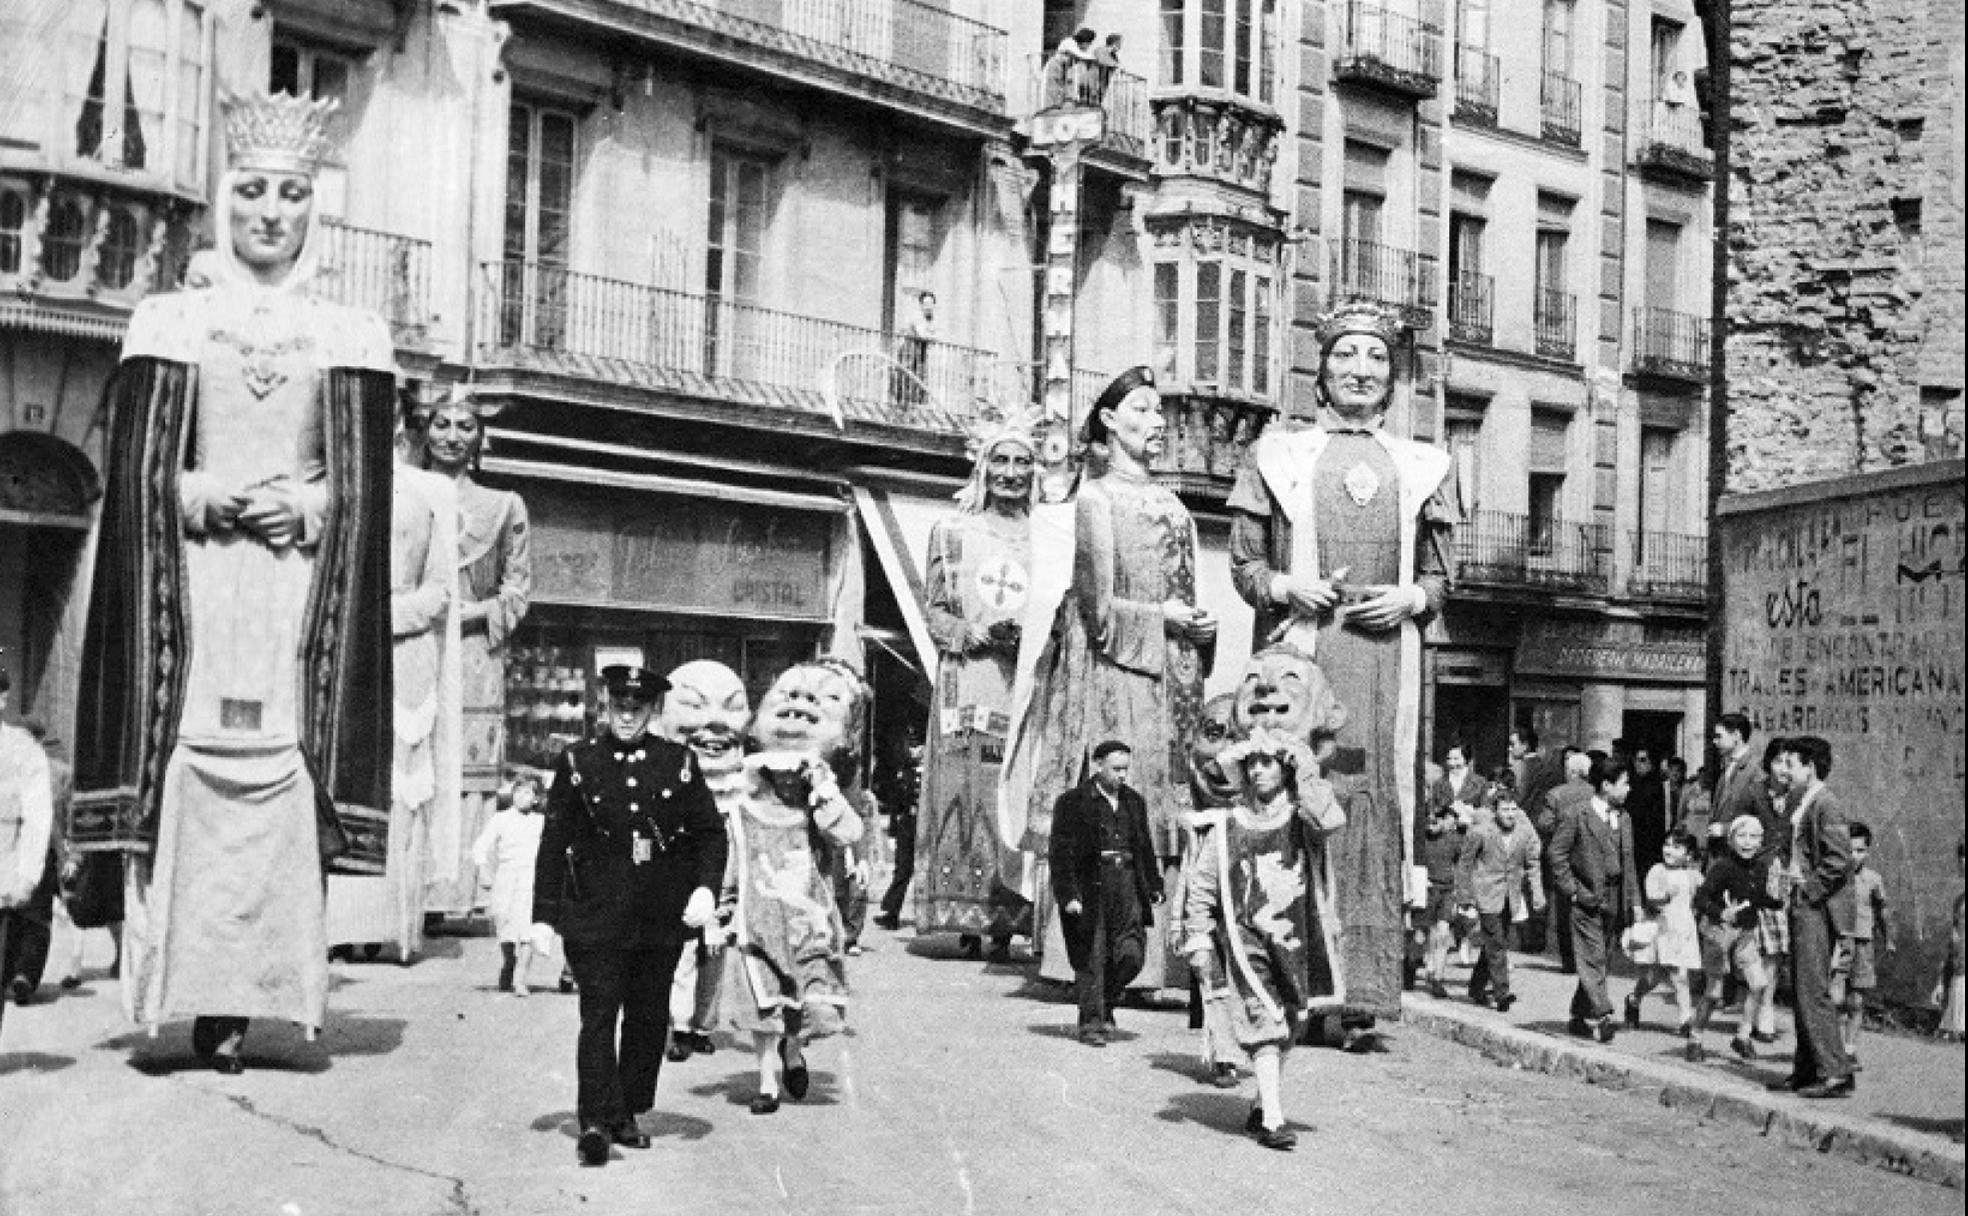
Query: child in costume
x=1261, y=927
x=790, y=981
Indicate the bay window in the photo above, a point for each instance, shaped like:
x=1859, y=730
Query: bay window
x=1213, y=314
x=1222, y=45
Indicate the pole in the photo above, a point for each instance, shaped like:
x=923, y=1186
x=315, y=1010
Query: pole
x=1720, y=83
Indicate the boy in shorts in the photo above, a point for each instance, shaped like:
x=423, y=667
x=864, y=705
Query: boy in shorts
x=1728, y=904
x=1853, y=973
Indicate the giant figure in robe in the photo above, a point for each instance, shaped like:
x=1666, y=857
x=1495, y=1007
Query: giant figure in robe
x=978, y=579
x=238, y=637
x=495, y=584
x=1340, y=539
x=1124, y=658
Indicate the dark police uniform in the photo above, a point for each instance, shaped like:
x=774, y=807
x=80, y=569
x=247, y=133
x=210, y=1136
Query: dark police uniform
x=631, y=831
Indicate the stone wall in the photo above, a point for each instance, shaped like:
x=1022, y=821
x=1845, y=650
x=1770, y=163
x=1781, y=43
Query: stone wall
x=1845, y=292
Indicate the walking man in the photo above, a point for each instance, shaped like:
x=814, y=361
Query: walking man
x=1105, y=877
x=1592, y=863
x=1822, y=909
x=1497, y=873
x=904, y=796
x=630, y=859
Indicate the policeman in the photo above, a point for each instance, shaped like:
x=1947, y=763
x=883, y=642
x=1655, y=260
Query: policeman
x=630, y=858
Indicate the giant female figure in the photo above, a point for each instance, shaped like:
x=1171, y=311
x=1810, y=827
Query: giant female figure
x=1129, y=648
x=238, y=639
x=1339, y=538
x=979, y=575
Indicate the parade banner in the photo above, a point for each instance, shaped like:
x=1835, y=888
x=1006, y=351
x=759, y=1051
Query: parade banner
x=1842, y=617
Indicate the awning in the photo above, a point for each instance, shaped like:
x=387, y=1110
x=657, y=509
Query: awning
x=898, y=525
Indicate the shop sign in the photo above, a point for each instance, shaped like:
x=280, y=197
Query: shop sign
x=1611, y=650
x=680, y=555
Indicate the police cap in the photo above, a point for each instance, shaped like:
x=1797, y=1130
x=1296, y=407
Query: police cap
x=623, y=680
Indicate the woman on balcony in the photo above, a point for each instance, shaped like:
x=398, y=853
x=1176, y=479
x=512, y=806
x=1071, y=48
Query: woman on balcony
x=1339, y=539
x=238, y=640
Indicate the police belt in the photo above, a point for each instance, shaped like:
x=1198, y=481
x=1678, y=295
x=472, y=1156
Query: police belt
x=1116, y=855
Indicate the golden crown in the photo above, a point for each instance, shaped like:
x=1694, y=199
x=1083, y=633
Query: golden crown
x=1361, y=317
x=280, y=131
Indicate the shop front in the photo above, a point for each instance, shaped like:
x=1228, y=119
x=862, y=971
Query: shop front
x=657, y=571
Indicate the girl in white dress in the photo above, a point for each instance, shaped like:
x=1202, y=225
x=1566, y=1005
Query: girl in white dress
x=506, y=850
x=1675, y=948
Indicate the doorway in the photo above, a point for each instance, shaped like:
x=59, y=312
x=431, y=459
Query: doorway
x=1657, y=731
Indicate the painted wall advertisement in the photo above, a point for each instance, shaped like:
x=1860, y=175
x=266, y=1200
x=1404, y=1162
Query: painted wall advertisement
x=1843, y=618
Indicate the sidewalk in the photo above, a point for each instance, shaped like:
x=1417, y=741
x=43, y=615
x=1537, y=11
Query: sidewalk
x=1906, y=1116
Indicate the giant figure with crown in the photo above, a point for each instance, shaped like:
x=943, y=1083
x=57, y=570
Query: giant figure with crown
x=238, y=638
x=1340, y=540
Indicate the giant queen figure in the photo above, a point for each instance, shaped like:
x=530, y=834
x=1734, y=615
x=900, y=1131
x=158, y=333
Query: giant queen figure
x=495, y=584
x=238, y=638
x=978, y=579
x=1340, y=540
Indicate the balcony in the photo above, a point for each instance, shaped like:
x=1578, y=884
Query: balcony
x=1672, y=148
x=1554, y=318
x=547, y=318
x=1219, y=138
x=1388, y=51
x=1478, y=77
x=1669, y=566
x=1669, y=345
x=77, y=256
x=380, y=271
x=1120, y=95
x=903, y=54
x=1505, y=549
x=1560, y=109
x=1397, y=277
x=1471, y=308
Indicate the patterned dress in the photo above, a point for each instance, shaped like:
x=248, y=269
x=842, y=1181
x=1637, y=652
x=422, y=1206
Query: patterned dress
x=978, y=572
x=1116, y=673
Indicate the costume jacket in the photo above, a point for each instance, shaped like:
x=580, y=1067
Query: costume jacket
x=611, y=803
x=1593, y=863
x=1076, y=869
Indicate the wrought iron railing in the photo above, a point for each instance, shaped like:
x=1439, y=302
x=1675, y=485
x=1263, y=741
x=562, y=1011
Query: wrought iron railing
x=1503, y=548
x=1471, y=305
x=1668, y=565
x=1672, y=142
x=1554, y=317
x=1390, y=49
x=723, y=348
x=1121, y=94
x=1560, y=109
x=380, y=271
x=1670, y=343
x=925, y=48
x=1478, y=77
x=1380, y=272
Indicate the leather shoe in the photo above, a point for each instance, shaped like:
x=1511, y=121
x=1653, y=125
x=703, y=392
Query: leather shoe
x=1743, y=1048
x=1504, y=1001
x=628, y=1135
x=1579, y=1028
x=701, y=1043
x=1438, y=990
x=885, y=921
x=592, y=1146
x=228, y=1064
x=1830, y=1087
x=765, y=1104
x=1093, y=1036
x=1760, y=1037
x=798, y=1079
x=1632, y=1014
x=679, y=1049
x=1606, y=1030
x=1224, y=1076
x=1282, y=1137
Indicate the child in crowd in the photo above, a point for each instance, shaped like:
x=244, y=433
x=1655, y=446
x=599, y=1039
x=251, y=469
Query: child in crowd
x=1434, y=933
x=1728, y=905
x=1853, y=970
x=506, y=849
x=1675, y=948
x=1259, y=914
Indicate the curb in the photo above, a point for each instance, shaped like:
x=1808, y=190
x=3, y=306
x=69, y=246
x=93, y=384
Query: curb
x=1864, y=1140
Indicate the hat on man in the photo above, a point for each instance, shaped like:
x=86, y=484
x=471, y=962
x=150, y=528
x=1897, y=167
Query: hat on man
x=625, y=680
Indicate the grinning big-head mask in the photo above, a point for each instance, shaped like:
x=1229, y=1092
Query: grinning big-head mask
x=814, y=708
x=1283, y=690
x=706, y=710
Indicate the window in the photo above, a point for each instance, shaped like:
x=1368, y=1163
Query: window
x=134, y=80
x=1220, y=44
x=734, y=260
x=1553, y=306
x=63, y=240
x=13, y=218
x=914, y=238
x=122, y=244
x=1213, y=318
x=1558, y=50
x=1465, y=244
x=1663, y=264
x=1656, y=485
x=1550, y=437
x=1473, y=24
x=1463, y=437
x=539, y=201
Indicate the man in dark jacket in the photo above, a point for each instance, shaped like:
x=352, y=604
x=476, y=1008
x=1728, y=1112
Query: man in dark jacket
x=1592, y=863
x=1538, y=772
x=1822, y=910
x=1560, y=800
x=630, y=858
x=1105, y=879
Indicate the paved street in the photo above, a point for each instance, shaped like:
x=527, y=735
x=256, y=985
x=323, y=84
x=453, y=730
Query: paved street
x=959, y=1090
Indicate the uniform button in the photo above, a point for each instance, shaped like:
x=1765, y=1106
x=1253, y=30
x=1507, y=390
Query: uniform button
x=635, y=806
x=632, y=782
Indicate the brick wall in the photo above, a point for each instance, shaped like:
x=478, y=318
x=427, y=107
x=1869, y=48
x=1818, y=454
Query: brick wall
x=1845, y=293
